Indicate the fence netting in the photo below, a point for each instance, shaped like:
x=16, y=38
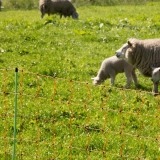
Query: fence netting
x=60, y=119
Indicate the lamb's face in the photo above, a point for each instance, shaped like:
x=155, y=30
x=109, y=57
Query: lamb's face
x=97, y=80
x=156, y=75
x=125, y=52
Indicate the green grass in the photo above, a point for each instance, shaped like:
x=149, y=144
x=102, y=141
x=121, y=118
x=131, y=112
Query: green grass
x=61, y=115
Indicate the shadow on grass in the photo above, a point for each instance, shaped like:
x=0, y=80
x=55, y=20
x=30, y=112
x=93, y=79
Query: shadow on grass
x=136, y=88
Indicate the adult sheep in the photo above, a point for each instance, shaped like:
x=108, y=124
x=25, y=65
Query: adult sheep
x=62, y=7
x=142, y=54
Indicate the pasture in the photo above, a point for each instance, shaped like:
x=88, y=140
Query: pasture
x=60, y=114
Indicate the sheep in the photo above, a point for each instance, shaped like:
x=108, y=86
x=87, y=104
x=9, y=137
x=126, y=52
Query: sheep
x=0, y=4
x=62, y=7
x=110, y=67
x=142, y=54
x=155, y=79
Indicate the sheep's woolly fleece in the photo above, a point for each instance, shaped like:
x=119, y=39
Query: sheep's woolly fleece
x=142, y=54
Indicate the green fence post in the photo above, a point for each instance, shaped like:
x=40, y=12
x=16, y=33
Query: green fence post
x=15, y=115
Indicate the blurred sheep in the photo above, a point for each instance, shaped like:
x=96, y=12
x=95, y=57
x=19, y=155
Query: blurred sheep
x=110, y=67
x=0, y=4
x=62, y=7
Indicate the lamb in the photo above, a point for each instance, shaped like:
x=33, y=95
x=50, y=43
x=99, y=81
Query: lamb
x=155, y=78
x=142, y=54
x=62, y=7
x=110, y=67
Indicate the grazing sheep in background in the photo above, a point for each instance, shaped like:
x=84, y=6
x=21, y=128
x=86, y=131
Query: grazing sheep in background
x=62, y=7
x=0, y=4
x=110, y=67
x=142, y=54
x=155, y=79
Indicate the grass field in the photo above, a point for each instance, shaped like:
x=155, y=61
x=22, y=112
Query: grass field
x=61, y=115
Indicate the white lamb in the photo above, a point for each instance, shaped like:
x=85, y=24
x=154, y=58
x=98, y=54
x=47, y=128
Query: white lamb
x=110, y=67
x=155, y=78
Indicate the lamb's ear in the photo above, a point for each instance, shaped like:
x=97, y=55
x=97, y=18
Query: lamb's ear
x=130, y=44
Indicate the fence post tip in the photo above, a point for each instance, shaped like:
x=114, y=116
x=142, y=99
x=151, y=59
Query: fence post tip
x=16, y=69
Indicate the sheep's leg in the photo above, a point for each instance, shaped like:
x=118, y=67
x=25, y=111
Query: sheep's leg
x=155, y=88
x=112, y=75
x=42, y=15
x=134, y=76
x=129, y=79
x=112, y=80
x=43, y=10
x=128, y=83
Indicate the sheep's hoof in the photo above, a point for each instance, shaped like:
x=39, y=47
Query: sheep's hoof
x=137, y=85
x=155, y=93
x=127, y=86
x=109, y=90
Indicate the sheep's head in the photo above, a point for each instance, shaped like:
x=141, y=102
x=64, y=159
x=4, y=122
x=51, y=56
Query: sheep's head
x=97, y=80
x=75, y=15
x=126, y=51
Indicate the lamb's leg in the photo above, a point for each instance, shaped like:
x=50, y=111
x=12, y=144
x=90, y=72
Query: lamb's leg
x=42, y=15
x=43, y=10
x=134, y=76
x=129, y=79
x=155, y=88
x=112, y=75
